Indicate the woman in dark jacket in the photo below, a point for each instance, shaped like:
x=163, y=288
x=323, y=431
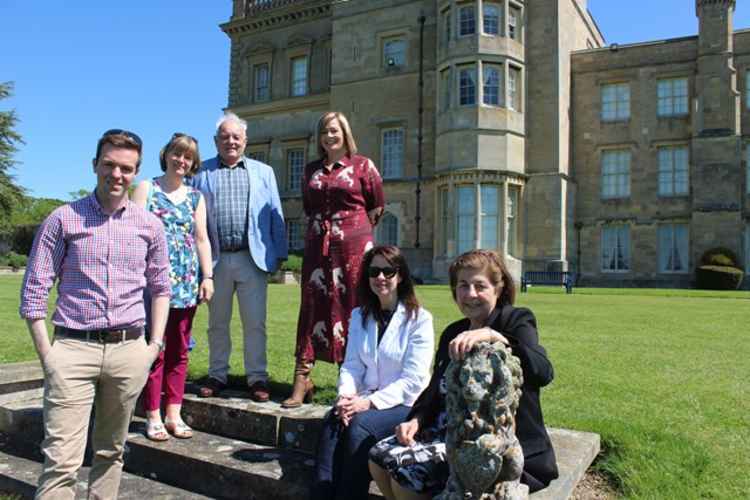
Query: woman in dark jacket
x=412, y=463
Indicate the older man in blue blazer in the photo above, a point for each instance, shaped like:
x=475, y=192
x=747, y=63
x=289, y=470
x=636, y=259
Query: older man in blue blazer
x=248, y=241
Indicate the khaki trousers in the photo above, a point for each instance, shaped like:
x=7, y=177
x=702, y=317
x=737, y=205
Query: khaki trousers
x=80, y=375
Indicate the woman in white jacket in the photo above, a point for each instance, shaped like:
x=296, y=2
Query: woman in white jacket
x=387, y=365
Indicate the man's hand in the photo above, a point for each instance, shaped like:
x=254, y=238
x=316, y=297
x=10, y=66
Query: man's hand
x=406, y=431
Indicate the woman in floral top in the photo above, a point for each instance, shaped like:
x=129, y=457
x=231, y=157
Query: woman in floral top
x=182, y=210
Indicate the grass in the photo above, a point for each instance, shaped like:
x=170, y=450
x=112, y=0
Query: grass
x=661, y=375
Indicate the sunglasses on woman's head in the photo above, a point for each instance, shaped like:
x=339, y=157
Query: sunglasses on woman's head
x=388, y=272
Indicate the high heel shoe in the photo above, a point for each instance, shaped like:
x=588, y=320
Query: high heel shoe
x=301, y=393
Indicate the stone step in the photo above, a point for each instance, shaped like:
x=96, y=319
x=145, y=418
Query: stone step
x=19, y=475
x=231, y=467
x=16, y=377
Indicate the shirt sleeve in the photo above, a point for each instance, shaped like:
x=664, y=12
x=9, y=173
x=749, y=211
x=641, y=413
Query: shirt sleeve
x=45, y=263
x=415, y=372
x=351, y=376
x=157, y=264
x=372, y=187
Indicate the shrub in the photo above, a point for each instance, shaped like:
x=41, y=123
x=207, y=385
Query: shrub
x=14, y=260
x=718, y=277
x=719, y=256
x=293, y=263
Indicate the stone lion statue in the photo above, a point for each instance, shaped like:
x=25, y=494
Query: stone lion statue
x=484, y=454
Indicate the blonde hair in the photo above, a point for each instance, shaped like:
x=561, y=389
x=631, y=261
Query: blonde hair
x=351, y=146
x=181, y=143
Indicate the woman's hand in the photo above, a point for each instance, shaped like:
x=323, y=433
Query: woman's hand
x=374, y=215
x=463, y=343
x=405, y=432
x=348, y=406
x=206, y=290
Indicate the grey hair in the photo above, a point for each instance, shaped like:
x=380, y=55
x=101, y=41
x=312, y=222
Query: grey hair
x=231, y=117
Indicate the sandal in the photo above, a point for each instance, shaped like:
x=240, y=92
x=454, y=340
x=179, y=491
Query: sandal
x=178, y=429
x=156, y=431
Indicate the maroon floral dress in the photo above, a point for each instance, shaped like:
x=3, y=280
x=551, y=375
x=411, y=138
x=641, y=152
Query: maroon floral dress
x=336, y=203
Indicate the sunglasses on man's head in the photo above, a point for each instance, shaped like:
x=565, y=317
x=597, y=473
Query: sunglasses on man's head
x=388, y=272
x=130, y=135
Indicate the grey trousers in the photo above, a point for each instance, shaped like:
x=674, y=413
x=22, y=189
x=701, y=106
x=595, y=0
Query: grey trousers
x=236, y=272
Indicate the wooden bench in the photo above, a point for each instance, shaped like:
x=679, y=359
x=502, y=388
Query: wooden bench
x=559, y=278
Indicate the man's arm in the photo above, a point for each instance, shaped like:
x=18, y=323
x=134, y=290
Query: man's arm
x=45, y=262
x=278, y=227
x=157, y=280
x=38, y=330
x=159, y=313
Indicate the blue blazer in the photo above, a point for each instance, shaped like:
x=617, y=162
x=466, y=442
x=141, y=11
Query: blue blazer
x=266, y=232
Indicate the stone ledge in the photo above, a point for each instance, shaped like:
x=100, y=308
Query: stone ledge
x=15, y=377
x=19, y=475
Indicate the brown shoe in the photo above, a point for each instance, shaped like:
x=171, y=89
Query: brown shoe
x=212, y=388
x=302, y=392
x=259, y=392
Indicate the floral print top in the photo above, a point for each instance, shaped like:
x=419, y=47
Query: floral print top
x=179, y=227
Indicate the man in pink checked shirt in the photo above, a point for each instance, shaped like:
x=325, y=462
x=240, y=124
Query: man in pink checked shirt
x=102, y=250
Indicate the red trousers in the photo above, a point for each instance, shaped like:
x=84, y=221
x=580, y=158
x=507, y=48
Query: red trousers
x=169, y=371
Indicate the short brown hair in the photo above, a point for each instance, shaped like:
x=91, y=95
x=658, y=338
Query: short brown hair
x=181, y=143
x=349, y=143
x=120, y=139
x=491, y=264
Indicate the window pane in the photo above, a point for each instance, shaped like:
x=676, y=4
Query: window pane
x=615, y=245
x=512, y=218
x=514, y=96
x=299, y=76
x=447, y=27
x=466, y=219
x=615, y=174
x=445, y=214
x=393, y=152
x=673, y=171
x=295, y=159
x=491, y=85
x=388, y=230
x=513, y=15
x=466, y=21
x=467, y=86
x=445, y=84
x=489, y=219
x=491, y=15
x=394, y=53
x=672, y=97
x=615, y=101
x=261, y=83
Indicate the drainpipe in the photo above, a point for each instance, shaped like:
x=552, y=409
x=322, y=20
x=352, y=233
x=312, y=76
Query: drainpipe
x=418, y=217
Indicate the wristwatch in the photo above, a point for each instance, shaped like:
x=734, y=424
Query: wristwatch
x=159, y=343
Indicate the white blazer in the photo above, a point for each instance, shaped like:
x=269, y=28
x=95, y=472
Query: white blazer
x=394, y=372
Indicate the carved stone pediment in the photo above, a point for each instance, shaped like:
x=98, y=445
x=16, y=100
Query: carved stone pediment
x=257, y=47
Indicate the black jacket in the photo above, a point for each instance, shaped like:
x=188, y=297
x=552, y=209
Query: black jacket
x=518, y=325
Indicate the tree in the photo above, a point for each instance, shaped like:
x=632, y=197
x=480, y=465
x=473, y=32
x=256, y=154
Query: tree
x=77, y=195
x=10, y=192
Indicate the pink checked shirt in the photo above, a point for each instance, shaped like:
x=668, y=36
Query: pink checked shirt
x=102, y=263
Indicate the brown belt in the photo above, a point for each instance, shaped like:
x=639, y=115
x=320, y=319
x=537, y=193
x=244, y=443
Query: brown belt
x=100, y=336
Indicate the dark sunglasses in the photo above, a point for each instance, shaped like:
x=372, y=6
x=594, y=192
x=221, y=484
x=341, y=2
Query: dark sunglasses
x=127, y=133
x=388, y=272
x=177, y=135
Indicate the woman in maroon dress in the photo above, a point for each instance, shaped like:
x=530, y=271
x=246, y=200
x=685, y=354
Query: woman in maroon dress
x=342, y=193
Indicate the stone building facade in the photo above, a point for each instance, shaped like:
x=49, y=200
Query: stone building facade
x=508, y=124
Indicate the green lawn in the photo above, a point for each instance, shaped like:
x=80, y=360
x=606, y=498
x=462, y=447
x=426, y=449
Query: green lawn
x=661, y=375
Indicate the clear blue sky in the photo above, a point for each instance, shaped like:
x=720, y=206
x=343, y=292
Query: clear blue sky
x=160, y=66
